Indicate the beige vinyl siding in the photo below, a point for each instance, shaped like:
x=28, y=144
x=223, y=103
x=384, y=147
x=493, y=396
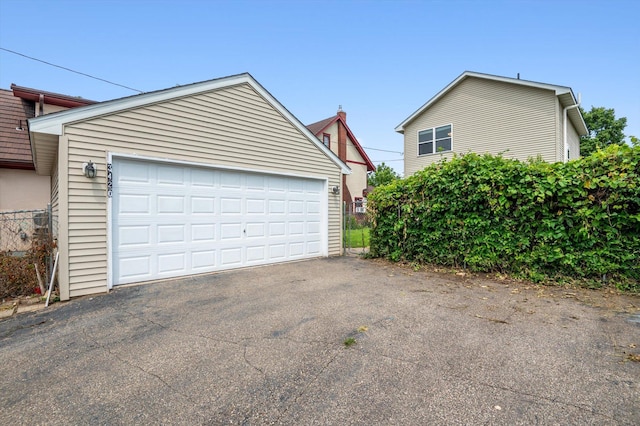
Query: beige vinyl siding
x=488, y=117
x=232, y=127
x=55, y=207
x=573, y=140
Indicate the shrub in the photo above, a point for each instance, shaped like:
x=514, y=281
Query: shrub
x=17, y=273
x=579, y=219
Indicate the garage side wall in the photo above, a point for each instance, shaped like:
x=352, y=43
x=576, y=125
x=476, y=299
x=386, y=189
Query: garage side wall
x=234, y=127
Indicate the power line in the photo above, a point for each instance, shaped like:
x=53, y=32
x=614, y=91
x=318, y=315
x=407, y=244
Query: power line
x=69, y=69
x=383, y=150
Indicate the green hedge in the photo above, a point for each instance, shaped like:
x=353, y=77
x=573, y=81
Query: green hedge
x=578, y=220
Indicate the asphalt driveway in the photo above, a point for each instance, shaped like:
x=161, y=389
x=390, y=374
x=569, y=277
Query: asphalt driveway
x=266, y=345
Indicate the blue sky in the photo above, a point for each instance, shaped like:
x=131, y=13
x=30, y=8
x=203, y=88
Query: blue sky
x=380, y=60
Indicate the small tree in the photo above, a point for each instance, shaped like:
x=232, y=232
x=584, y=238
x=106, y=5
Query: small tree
x=604, y=129
x=382, y=176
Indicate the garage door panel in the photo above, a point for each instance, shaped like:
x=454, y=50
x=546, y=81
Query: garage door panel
x=296, y=207
x=296, y=249
x=231, y=206
x=203, y=205
x=170, y=175
x=133, y=173
x=276, y=207
x=203, y=260
x=173, y=220
x=256, y=206
x=134, y=204
x=172, y=262
x=134, y=235
x=231, y=256
x=168, y=234
x=314, y=247
x=230, y=180
x=230, y=231
x=203, y=232
x=255, y=230
x=168, y=204
x=313, y=207
x=256, y=254
x=296, y=228
x=277, y=251
x=133, y=268
x=256, y=183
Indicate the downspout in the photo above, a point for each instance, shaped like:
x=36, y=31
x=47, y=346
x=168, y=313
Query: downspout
x=565, y=153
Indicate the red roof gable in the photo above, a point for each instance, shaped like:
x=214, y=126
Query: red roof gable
x=319, y=126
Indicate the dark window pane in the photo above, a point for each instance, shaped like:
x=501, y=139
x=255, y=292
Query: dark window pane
x=425, y=135
x=425, y=148
x=443, y=132
x=443, y=145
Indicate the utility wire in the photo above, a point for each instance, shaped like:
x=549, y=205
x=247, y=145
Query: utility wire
x=69, y=69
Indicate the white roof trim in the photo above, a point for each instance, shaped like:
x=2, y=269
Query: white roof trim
x=53, y=124
x=559, y=90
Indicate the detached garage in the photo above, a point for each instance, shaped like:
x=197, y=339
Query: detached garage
x=189, y=180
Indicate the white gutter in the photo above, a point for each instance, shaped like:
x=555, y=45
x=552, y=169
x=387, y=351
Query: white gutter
x=564, y=129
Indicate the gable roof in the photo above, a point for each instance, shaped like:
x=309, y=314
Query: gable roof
x=319, y=126
x=15, y=148
x=563, y=93
x=42, y=128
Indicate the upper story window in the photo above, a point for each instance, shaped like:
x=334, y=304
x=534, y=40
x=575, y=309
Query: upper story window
x=434, y=140
x=326, y=139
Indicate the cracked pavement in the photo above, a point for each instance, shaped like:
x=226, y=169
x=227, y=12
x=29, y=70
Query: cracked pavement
x=266, y=346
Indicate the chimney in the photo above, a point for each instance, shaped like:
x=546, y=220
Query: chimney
x=342, y=114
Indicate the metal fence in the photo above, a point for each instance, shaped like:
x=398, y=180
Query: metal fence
x=355, y=228
x=19, y=228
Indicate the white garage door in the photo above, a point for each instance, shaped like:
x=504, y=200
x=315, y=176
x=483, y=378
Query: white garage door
x=172, y=220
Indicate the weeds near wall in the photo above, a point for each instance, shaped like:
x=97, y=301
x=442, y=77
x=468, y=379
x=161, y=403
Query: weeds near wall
x=578, y=220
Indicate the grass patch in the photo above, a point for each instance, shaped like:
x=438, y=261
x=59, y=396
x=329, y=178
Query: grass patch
x=356, y=237
x=349, y=341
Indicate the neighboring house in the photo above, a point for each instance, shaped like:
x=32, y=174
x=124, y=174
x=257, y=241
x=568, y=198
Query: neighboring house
x=188, y=180
x=20, y=187
x=485, y=113
x=336, y=135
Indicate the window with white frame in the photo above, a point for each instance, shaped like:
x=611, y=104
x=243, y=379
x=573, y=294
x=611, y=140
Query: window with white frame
x=434, y=140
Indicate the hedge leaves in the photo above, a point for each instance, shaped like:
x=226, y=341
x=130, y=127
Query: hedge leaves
x=578, y=220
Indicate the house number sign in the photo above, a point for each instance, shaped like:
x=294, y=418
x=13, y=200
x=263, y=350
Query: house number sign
x=109, y=180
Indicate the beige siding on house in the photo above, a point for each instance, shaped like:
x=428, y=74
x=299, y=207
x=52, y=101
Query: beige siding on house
x=232, y=127
x=488, y=117
x=333, y=132
x=357, y=180
x=55, y=206
x=573, y=140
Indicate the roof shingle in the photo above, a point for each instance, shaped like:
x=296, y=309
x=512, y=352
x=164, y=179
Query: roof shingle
x=15, y=148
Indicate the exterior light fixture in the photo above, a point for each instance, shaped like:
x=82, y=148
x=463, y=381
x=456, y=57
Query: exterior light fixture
x=335, y=190
x=89, y=170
